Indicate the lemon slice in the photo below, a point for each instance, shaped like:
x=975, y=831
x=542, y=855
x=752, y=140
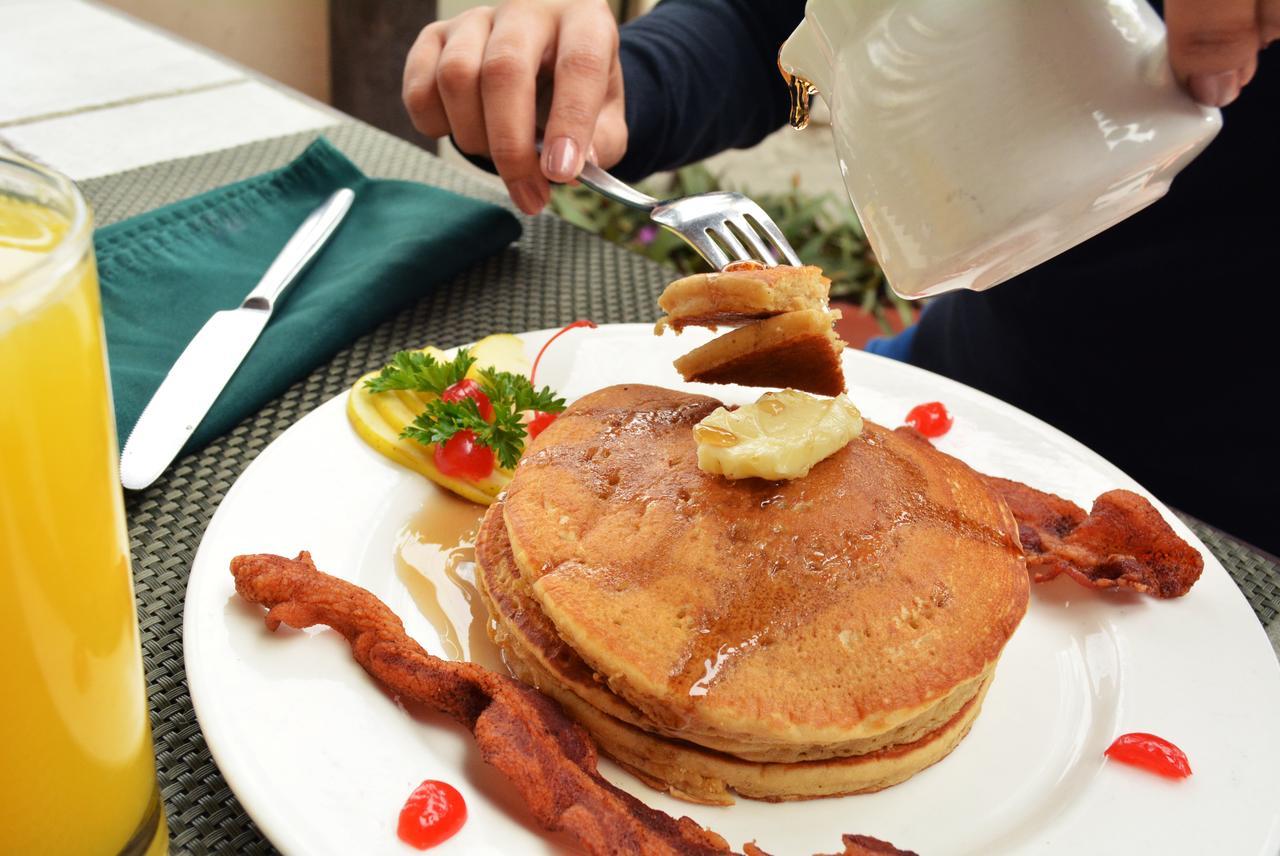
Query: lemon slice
x=379, y=417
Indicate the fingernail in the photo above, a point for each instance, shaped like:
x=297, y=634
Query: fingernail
x=560, y=160
x=1215, y=90
x=527, y=196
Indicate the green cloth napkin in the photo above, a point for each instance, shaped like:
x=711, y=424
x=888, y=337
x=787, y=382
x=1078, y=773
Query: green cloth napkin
x=164, y=273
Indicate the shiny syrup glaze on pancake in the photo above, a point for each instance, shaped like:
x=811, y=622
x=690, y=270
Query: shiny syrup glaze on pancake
x=698, y=774
x=771, y=600
x=787, y=572
x=671, y=762
x=730, y=631
x=537, y=654
x=513, y=609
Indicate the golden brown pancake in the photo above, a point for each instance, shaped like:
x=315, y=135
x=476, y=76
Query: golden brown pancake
x=519, y=626
x=736, y=296
x=819, y=611
x=799, y=350
x=697, y=774
x=536, y=654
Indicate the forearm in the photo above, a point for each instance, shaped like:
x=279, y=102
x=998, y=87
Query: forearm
x=701, y=76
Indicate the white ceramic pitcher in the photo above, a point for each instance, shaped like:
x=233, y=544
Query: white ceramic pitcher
x=980, y=138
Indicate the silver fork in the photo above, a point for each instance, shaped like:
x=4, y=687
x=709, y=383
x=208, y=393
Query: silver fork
x=723, y=227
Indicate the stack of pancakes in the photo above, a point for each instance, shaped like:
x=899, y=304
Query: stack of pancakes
x=829, y=635
x=787, y=339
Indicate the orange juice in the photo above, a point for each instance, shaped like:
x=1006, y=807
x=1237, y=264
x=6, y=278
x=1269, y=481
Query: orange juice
x=77, y=773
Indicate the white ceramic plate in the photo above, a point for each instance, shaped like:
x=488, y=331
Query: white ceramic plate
x=323, y=759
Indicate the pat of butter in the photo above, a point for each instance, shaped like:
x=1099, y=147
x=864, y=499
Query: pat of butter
x=781, y=436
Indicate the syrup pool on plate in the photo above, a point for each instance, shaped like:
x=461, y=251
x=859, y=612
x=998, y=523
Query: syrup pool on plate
x=435, y=559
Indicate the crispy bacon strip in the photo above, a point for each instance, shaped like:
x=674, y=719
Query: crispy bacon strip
x=548, y=757
x=865, y=845
x=1122, y=542
x=854, y=845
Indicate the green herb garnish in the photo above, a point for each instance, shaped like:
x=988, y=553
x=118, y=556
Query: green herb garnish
x=517, y=389
x=510, y=394
x=421, y=372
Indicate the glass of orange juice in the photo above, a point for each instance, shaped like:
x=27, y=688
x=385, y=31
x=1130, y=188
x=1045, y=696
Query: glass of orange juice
x=77, y=771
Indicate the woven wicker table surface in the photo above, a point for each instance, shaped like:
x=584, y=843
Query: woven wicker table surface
x=553, y=275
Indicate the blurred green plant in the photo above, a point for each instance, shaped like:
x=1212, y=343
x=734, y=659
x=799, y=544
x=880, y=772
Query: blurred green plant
x=823, y=230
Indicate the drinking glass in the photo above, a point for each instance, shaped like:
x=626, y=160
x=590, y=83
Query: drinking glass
x=77, y=771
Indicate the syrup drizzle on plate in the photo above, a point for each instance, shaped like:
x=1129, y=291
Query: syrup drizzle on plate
x=435, y=559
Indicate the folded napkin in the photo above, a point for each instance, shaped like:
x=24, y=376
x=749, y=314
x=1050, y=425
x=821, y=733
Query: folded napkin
x=164, y=273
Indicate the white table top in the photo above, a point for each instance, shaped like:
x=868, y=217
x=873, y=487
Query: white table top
x=90, y=91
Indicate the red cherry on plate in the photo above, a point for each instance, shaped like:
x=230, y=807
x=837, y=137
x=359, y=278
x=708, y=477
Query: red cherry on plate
x=931, y=419
x=1150, y=753
x=468, y=388
x=433, y=813
x=536, y=421
x=462, y=457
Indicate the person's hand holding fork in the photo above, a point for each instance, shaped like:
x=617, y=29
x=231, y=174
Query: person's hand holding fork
x=477, y=77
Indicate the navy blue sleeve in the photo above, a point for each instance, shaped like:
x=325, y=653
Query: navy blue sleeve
x=701, y=76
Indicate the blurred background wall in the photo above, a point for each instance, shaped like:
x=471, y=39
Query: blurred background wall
x=287, y=40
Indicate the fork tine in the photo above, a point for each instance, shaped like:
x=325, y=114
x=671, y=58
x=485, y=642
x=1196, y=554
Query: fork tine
x=753, y=212
x=751, y=238
x=725, y=235
x=724, y=226
x=780, y=242
x=706, y=247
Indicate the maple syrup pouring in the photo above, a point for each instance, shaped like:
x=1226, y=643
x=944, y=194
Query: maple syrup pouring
x=800, y=91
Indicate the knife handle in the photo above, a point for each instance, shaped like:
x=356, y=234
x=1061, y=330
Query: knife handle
x=299, y=251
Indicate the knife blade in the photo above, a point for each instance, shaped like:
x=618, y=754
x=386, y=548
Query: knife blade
x=211, y=358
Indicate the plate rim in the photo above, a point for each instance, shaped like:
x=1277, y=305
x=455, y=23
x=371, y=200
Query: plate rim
x=272, y=824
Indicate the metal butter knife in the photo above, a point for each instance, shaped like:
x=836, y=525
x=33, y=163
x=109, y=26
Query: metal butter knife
x=212, y=357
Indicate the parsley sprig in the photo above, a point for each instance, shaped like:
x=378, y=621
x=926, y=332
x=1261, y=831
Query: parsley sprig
x=510, y=394
x=516, y=388
x=421, y=372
